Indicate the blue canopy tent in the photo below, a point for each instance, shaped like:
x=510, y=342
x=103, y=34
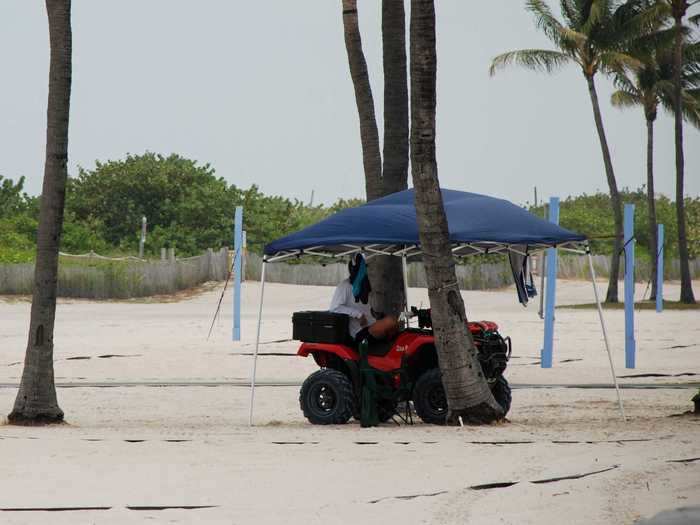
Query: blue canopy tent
x=478, y=224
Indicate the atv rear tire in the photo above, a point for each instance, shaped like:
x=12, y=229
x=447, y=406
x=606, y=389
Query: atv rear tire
x=429, y=398
x=501, y=392
x=326, y=398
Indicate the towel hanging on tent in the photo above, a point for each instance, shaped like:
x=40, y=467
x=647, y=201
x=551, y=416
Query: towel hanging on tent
x=520, y=268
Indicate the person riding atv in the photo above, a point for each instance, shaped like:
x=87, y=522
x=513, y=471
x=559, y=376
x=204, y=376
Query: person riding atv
x=351, y=297
x=351, y=337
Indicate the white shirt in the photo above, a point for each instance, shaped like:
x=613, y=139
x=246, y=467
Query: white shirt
x=343, y=302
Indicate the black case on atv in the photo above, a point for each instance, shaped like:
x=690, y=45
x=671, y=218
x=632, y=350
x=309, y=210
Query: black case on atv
x=320, y=327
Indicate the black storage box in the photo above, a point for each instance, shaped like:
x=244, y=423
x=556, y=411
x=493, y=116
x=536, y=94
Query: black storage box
x=320, y=327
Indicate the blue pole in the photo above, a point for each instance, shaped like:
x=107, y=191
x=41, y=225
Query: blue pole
x=237, y=248
x=630, y=344
x=660, y=270
x=550, y=291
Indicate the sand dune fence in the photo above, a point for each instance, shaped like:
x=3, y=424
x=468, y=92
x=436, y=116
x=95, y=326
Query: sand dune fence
x=92, y=276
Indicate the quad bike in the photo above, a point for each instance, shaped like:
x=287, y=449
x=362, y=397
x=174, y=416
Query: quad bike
x=407, y=367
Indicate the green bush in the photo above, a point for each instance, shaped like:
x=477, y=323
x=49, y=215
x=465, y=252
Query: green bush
x=190, y=209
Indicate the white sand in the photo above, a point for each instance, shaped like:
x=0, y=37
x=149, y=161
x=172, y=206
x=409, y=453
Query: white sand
x=321, y=474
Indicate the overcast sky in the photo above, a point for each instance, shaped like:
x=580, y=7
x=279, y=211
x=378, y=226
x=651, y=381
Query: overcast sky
x=261, y=91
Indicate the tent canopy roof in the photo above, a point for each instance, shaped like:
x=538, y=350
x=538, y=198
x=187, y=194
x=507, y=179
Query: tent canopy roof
x=477, y=223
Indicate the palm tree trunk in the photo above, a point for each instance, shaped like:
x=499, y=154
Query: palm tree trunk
x=388, y=276
x=385, y=272
x=395, y=172
x=612, y=295
x=36, y=400
x=687, y=296
x=653, y=233
x=468, y=394
x=369, y=136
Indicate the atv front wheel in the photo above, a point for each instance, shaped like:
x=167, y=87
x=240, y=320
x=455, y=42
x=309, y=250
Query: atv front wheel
x=429, y=398
x=326, y=398
x=501, y=392
x=431, y=403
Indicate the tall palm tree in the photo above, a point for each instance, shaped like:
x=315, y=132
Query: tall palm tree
x=381, y=180
x=369, y=134
x=389, y=284
x=648, y=87
x=36, y=400
x=396, y=150
x=467, y=392
x=593, y=38
x=678, y=10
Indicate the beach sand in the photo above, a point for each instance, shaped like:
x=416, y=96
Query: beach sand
x=191, y=446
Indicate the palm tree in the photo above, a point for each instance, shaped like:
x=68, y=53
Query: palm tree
x=385, y=272
x=36, y=400
x=389, y=285
x=678, y=10
x=650, y=85
x=369, y=135
x=467, y=392
x=592, y=38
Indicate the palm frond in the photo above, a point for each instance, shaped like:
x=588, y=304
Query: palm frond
x=544, y=19
x=694, y=20
x=571, y=14
x=562, y=36
x=691, y=107
x=597, y=11
x=625, y=99
x=691, y=101
x=654, y=15
x=616, y=62
x=655, y=42
x=541, y=60
x=623, y=82
x=691, y=54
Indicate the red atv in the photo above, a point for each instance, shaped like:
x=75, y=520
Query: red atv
x=407, y=367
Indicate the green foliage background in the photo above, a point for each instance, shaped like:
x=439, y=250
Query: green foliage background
x=190, y=209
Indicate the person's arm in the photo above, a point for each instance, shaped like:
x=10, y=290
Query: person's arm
x=339, y=303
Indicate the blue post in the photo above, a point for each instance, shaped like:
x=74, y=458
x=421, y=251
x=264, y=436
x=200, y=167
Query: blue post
x=660, y=270
x=630, y=344
x=237, y=249
x=550, y=291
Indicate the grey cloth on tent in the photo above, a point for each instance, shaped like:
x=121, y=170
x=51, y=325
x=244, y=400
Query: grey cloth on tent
x=518, y=265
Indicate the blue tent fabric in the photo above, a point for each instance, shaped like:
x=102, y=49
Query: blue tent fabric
x=474, y=219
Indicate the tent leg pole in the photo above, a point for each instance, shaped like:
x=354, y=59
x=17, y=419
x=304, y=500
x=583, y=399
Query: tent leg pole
x=257, y=345
x=605, y=332
x=404, y=264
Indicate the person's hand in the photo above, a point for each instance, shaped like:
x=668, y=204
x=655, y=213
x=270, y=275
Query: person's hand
x=363, y=320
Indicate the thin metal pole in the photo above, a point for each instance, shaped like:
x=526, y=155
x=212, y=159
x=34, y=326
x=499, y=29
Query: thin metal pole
x=543, y=267
x=404, y=264
x=257, y=345
x=605, y=332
